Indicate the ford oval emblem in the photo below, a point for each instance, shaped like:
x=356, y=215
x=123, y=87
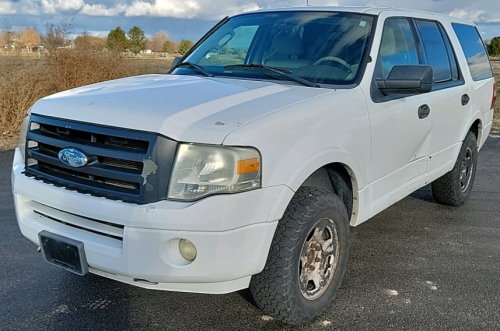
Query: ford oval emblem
x=73, y=157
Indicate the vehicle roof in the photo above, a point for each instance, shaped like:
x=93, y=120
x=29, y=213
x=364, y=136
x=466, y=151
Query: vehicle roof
x=367, y=10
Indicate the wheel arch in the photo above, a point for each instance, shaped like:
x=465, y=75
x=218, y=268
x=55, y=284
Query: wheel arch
x=475, y=124
x=336, y=178
x=314, y=172
x=477, y=129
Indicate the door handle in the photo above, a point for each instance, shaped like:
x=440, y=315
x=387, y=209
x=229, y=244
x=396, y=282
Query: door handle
x=465, y=99
x=423, y=111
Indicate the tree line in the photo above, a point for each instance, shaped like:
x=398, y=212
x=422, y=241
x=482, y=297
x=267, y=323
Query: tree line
x=494, y=47
x=135, y=41
x=57, y=36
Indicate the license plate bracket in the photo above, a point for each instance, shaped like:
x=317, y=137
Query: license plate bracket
x=63, y=252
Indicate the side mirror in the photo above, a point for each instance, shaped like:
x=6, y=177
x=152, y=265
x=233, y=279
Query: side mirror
x=176, y=60
x=407, y=79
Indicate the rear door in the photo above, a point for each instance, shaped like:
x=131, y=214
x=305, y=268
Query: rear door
x=450, y=96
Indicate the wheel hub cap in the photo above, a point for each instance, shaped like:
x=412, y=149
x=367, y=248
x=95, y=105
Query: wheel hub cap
x=318, y=259
x=466, y=170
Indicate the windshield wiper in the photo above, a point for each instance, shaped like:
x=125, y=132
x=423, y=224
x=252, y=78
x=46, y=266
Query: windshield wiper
x=196, y=67
x=281, y=72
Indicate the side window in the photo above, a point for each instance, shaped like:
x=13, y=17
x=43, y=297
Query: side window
x=233, y=48
x=436, y=51
x=474, y=51
x=451, y=55
x=397, y=46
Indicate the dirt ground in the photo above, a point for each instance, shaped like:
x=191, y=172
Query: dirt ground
x=7, y=143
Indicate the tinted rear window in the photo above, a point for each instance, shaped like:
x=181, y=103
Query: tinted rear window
x=474, y=51
x=437, y=54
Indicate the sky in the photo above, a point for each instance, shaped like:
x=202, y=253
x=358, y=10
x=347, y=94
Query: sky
x=190, y=19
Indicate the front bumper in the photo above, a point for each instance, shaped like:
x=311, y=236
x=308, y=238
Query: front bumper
x=136, y=244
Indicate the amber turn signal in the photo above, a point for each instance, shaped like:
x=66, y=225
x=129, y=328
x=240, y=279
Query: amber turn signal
x=247, y=166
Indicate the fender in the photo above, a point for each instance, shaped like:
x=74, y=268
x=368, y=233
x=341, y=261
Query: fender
x=309, y=166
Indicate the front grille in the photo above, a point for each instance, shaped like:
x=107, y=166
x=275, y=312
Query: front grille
x=65, y=173
x=84, y=137
x=115, y=167
x=125, y=164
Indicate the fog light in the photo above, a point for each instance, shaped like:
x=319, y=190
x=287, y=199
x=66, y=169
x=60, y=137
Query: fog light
x=187, y=249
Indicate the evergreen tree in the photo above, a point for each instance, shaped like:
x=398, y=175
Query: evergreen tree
x=494, y=47
x=185, y=46
x=167, y=47
x=137, y=40
x=117, y=40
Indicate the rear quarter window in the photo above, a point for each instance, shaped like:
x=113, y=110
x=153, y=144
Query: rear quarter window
x=474, y=50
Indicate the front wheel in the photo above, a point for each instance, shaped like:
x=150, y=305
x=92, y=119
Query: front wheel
x=307, y=258
x=454, y=187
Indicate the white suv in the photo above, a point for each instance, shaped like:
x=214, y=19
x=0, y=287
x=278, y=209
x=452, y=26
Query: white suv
x=246, y=165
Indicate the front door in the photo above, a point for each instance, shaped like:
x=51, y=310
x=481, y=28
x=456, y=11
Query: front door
x=401, y=134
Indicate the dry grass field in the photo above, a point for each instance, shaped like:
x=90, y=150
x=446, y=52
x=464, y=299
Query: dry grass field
x=496, y=119
x=23, y=80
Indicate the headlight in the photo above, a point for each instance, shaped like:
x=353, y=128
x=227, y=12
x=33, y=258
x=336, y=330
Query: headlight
x=22, y=135
x=201, y=170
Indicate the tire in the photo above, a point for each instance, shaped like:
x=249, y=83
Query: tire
x=454, y=187
x=307, y=259
x=342, y=189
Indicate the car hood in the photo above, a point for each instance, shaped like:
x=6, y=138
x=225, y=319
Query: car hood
x=184, y=108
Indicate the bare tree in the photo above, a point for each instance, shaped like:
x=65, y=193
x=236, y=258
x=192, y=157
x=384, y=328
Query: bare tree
x=7, y=34
x=56, y=35
x=30, y=39
x=159, y=39
x=3, y=43
x=86, y=42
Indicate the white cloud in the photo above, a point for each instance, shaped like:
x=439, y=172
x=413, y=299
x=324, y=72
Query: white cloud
x=55, y=6
x=7, y=8
x=322, y=3
x=101, y=10
x=242, y=9
x=478, y=12
x=111, y=13
x=170, y=8
x=204, y=9
x=492, y=19
x=73, y=36
x=24, y=7
x=29, y=9
x=484, y=11
x=473, y=15
x=98, y=33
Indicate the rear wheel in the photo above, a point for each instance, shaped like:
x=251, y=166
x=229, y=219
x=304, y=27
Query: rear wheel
x=307, y=258
x=454, y=187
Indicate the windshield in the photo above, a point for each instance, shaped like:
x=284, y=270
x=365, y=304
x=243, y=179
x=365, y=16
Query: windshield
x=320, y=47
